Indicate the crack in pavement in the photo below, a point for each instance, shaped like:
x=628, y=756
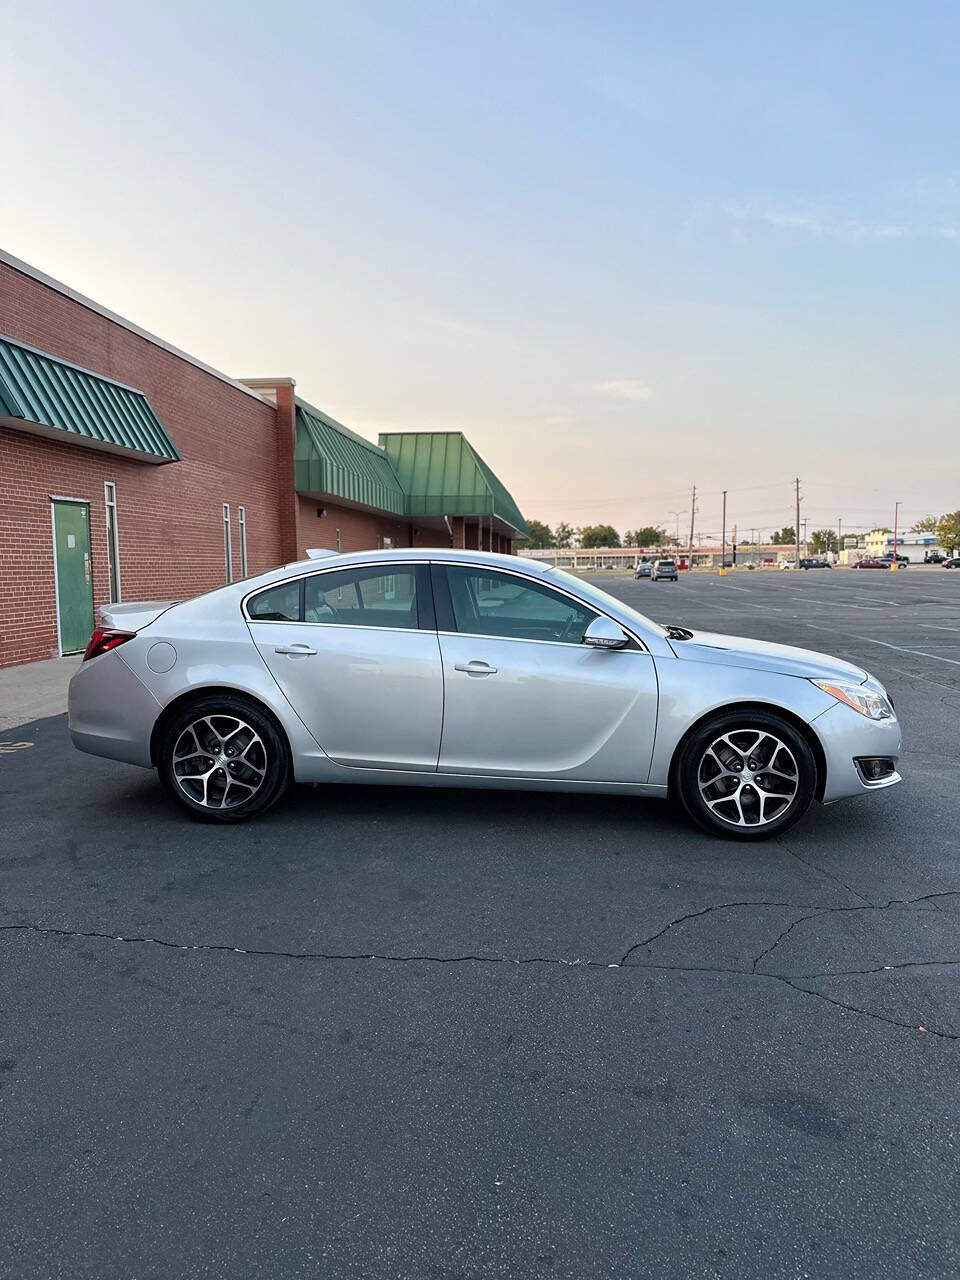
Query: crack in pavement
x=815, y=909
x=776, y=942
x=790, y=981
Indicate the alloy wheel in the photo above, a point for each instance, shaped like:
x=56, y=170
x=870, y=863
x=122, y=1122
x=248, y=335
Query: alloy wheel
x=219, y=762
x=748, y=777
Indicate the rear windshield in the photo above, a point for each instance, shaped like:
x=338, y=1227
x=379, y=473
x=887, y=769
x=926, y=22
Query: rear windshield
x=665, y=564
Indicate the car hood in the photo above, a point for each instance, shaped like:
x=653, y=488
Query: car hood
x=761, y=655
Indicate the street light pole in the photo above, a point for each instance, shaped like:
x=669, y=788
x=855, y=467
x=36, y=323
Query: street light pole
x=723, y=549
x=896, y=517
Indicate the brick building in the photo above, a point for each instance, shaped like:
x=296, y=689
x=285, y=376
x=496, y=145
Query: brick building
x=131, y=470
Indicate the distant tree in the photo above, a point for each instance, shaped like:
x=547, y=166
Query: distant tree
x=948, y=531
x=926, y=524
x=563, y=535
x=785, y=537
x=541, y=535
x=649, y=536
x=599, y=535
x=823, y=540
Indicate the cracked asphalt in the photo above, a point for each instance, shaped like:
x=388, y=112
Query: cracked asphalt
x=388, y=1033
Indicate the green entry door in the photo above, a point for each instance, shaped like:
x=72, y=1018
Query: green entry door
x=71, y=542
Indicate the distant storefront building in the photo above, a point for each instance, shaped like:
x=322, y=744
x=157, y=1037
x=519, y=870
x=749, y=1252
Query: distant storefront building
x=131, y=470
x=912, y=545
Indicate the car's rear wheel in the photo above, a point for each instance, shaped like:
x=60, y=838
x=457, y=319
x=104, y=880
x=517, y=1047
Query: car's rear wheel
x=224, y=759
x=746, y=775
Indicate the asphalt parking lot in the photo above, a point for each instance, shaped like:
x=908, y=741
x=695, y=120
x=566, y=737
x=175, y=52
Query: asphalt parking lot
x=388, y=1033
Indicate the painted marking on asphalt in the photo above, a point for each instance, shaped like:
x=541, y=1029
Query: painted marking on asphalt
x=937, y=626
x=954, y=662
x=8, y=748
x=847, y=604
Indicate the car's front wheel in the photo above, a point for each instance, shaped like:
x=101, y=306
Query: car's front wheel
x=746, y=775
x=224, y=759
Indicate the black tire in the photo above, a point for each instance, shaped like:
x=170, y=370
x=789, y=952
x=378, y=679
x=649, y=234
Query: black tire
x=257, y=772
x=759, y=792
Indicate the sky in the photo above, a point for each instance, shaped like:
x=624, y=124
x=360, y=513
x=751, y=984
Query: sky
x=626, y=248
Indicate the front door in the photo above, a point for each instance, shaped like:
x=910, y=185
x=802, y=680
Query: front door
x=523, y=697
x=355, y=652
x=71, y=545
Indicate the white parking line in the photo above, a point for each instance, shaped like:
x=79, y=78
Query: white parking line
x=954, y=662
x=847, y=604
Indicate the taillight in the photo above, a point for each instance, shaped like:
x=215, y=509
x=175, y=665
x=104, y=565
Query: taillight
x=103, y=641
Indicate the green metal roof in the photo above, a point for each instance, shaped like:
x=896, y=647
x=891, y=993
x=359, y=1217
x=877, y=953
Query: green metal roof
x=52, y=397
x=330, y=458
x=443, y=475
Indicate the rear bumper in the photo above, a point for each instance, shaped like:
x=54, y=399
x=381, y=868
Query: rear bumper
x=111, y=712
x=846, y=735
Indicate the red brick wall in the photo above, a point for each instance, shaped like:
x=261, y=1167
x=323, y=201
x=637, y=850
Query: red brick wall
x=170, y=517
x=359, y=530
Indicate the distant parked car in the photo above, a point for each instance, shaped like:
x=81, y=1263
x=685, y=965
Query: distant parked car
x=952, y=563
x=872, y=562
x=666, y=569
x=788, y=564
x=815, y=562
x=888, y=558
x=933, y=557
x=643, y=569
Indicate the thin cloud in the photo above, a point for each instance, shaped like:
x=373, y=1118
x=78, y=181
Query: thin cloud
x=624, y=389
x=825, y=224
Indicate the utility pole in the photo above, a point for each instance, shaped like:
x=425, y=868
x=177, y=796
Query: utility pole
x=839, y=537
x=693, y=514
x=796, y=528
x=723, y=547
x=896, y=517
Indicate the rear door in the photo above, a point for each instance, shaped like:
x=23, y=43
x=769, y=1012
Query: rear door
x=524, y=697
x=356, y=653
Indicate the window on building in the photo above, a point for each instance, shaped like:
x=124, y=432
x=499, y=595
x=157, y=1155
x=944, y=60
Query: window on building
x=363, y=598
x=495, y=604
x=227, y=542
x=242, y=522
x=113, y=539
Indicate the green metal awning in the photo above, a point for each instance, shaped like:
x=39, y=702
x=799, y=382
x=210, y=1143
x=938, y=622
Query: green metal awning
x=332, y=459
x=50, y=397
x=443, y=475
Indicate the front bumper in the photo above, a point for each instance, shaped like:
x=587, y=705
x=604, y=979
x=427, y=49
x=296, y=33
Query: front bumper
x=846, y=736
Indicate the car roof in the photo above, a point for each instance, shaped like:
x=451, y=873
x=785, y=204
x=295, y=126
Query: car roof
x=393, y=555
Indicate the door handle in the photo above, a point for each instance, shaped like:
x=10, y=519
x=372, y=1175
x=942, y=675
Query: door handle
x=296, y=650
x=476, y=668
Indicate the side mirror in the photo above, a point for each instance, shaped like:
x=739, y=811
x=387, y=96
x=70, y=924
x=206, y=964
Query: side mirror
x=603, y=633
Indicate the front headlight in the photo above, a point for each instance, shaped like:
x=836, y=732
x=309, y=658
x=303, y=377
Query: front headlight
x=872, y=705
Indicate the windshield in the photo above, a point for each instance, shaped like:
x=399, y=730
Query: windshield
x=603, y=600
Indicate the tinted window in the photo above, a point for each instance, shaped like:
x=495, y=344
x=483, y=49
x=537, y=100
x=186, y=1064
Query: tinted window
x=279, y=604
x=362, y=597
x=493, y=604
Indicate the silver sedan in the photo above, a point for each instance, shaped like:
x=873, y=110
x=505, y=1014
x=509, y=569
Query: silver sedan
x=460, y=668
